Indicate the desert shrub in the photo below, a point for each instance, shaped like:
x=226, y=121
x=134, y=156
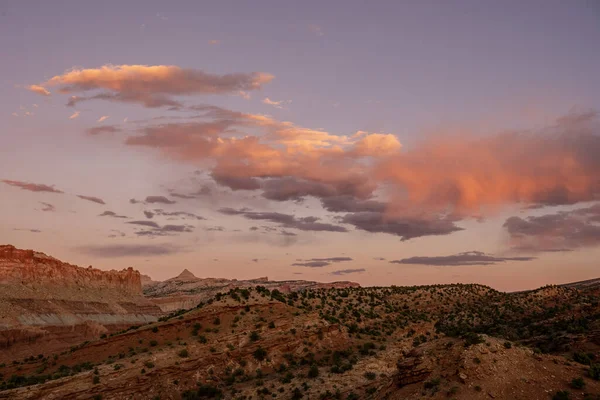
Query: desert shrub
x=507, y=345
x=183, y=353
x=578, y=383
x=155, y=329
x=594, y=371
x=561, y=395
x=370, y=375
x=260, y=354
x=313, y=371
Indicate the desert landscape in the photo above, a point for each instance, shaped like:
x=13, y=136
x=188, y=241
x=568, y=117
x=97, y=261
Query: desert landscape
x=258, y=339
x=300, y=200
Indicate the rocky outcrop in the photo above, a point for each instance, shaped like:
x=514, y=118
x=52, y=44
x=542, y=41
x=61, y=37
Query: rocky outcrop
x=34, y=269
x=48, y=304
x=412, y=369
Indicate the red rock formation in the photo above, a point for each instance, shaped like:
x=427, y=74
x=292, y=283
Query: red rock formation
x=38, y=269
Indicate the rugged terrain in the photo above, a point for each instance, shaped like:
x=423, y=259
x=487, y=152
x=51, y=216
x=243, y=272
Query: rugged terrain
x=186, y=290
x=256, y=342
x=50, y=304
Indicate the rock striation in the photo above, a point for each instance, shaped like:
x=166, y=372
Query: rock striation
x=52, y=304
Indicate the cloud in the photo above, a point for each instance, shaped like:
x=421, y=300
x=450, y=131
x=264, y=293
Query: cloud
x=39, y=90
x=92, y=199
x=33, y=187
x=405, y=227
x=557, y=165
x=97, y=130
x=467, y=258
x=145, y=223
x=103, y=118
x=159, y=199
x=331, y=259
x=311, y=264
x=348, y=271
x=111, y=214
x=129, y=250
x=320, y=262
x=181, y=214
x=214, y=42
x=286, y=220
x=183, y=196
x=164, y=230
x=151, y=86
x=74, y=115
x=28, y=230
x=561, y=231
x=148, y=214
x=277, y=104
x=47, y=207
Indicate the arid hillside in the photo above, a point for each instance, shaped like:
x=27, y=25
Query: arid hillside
x=438, y=342
x=51, y=305
x=186, y=290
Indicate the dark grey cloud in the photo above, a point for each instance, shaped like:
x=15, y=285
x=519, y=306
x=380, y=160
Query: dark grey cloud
x=347, y=203
x=285, y=220
x=97, y=130
x=32, y=187
x=320, y=262
x=149, y=214
x=181, y=214
x=129, y=250
x=150, y=224
x=237, y=183
x=159, y=199
x=112, y=214
x=47, y=207
x=183, y=196
x=116, y=233
x=407, y=227
x=561, y=231
x=467, y=258
x=28, y=230
x=92, y=199
x=312, y=264
x=214, y=229
x=379, y=258
x=348, y=271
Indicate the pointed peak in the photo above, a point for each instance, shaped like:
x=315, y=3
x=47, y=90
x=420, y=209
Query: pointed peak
x=185, y=274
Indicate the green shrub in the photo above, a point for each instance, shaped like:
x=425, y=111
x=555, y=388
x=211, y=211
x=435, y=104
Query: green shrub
x=183, y=353
x=561, y=395
x=578, y=383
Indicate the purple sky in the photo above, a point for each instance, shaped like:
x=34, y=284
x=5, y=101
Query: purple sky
x=459, y=139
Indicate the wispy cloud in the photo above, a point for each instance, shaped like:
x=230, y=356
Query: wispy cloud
x=348, y=271
x=315, y=29
x=112, y=214
x=47, y=207
x=467, y=258
x=103, y=118
x=39, y=90
x=33, y=187
x=74, y=115
x=277, y=104
x=129, y=250
x=151, y=86
x=214, y=42
x=92, y=199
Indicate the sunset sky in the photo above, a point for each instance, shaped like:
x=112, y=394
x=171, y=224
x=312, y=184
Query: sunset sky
x=387, y=142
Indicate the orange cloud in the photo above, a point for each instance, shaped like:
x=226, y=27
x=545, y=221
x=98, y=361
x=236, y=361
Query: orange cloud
x=39, y=90
x=151, y=86
x=465, y=174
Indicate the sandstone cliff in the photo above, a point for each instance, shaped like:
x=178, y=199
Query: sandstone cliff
x=55, y=304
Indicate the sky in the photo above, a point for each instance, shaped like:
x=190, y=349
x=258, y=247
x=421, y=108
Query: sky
x=385, y=143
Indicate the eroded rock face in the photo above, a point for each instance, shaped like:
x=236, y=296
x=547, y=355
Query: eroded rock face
x=35, y=269
x=412, y=369
x=49, y=305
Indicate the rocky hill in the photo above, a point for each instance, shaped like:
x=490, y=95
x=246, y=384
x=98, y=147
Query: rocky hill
x=48, y=303
x=186, y=290
x=438, y=342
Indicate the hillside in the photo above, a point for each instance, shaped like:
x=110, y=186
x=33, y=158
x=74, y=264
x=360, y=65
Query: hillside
x=186, y=290
x=439, y=342
x=51, y=305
